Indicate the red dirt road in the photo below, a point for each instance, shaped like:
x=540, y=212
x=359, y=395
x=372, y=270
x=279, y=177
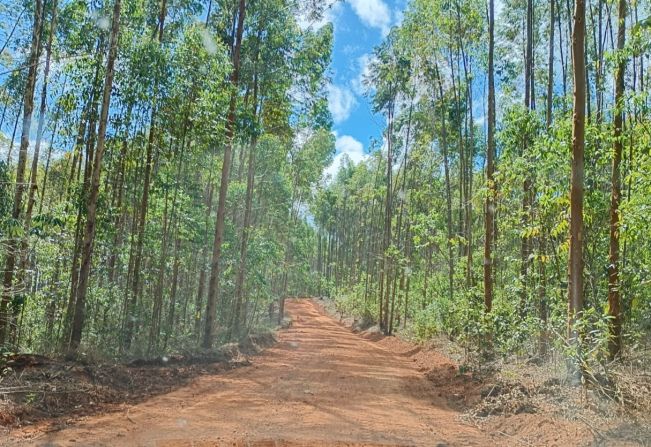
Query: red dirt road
x=321, y=385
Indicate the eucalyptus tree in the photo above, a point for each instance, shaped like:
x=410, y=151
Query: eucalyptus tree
x=614, y=299
x=215, y=268
x=489, y=220
x=158, y=74
x=89, y=230
x=17, y=211
x=575, y=288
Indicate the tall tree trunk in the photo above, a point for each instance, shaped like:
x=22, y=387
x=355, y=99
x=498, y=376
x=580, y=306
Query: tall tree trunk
x=388, y=211
x=614, y=294
x=448, y=187
x=575, y=287
x=89, y=230
x=550, y=64
x=41, y=119
x=215, y=271
x=527, y=197
x=490, y=167
x=28, y=107
x=33, y=186
x=154, y=330
x=140, y=238
x=132, y=306
x=246, y=228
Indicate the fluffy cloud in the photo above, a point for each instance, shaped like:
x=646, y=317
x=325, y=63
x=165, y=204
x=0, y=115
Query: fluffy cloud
x=341, y=102
x=373, y=13
x=329, y=15
x=363, y=66
x=349, y=147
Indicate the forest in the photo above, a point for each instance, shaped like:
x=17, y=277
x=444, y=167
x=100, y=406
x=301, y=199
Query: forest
x=507, y=204
x=170, y=178
x=171, y=162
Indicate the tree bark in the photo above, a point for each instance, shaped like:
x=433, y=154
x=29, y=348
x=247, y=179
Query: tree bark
x=575, y=287
x=614, y=294
x=550, y=64
x=28, y=107
x=490, y=167
x=215, y=271
x=89, y=230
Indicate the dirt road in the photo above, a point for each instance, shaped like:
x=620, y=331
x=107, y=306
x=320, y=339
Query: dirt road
x=321, y=385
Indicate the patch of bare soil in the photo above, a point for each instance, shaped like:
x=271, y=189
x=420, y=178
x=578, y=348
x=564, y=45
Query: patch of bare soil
x=528, y=402
x=37, y=389
x=321, y=385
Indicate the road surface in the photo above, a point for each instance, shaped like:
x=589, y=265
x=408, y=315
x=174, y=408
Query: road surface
x=320, y=385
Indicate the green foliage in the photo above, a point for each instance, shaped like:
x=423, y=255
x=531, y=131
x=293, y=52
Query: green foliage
x=423, y=241
x=171, y=95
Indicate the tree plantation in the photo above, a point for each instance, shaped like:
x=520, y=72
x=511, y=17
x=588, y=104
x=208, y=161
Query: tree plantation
x=515, y=151
x=160, y=204
x=172, y=177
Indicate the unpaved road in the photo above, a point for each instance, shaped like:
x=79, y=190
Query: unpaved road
x=321, y=385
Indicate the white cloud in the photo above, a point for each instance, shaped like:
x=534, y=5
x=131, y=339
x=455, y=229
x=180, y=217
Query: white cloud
x=5, y=142
x=329, y=15
x=373, y=13
x=347, y=147
x=341, y=102
x=363, y=72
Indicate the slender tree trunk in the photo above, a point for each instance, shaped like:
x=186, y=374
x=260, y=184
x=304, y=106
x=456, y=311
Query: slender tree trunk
x=490, y=167
x=28, y=107
x=562, y=56
x=527, y=198
x=11, y=33
x=89, y=230
x=175, y=286
x=13, y=134
x=215, y=271
x=154, y=332
x=388, y=210
x=550, y=64
x=48, y=159
x=41, y=119
x=469, y=175
x=575, y=289
x=33, y=186
x=140, y=238
x=132, y=306
x=246, y=228
x=614, y=293
x=122, y=214
x=448, y=187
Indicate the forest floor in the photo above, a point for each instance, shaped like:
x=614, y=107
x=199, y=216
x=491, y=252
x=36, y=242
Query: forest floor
x=322, y=385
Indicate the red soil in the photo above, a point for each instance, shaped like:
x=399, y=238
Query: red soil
x=320, y=386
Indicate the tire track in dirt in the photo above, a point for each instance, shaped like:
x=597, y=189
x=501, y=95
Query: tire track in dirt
x=319, y=386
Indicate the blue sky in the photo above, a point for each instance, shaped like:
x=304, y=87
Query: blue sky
x=359, y=26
